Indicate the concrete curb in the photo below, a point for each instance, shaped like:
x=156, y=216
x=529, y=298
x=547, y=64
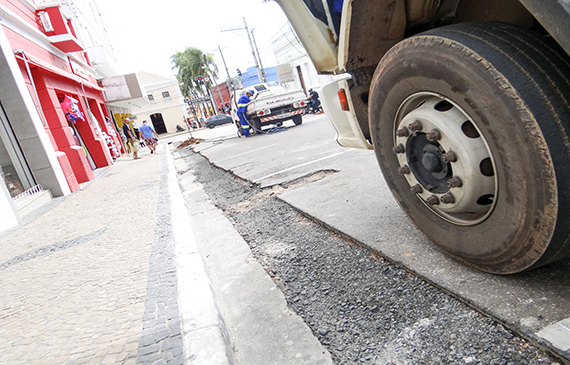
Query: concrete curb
x=261, y=328
x=205, y=336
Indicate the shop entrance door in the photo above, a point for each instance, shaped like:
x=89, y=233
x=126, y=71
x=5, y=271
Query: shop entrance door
x=158, y=123
x=14, y=168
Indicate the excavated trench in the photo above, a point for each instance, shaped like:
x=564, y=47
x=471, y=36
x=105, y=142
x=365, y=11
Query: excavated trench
x=362, y=308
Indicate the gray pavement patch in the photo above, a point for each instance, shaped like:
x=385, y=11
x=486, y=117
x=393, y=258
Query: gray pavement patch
x=47, y=250
x=161, y=336
x=558, y=334
x=281, y=172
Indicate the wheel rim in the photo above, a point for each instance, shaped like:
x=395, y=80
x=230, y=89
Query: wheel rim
x=445, y=159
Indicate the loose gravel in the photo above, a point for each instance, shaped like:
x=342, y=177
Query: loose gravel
x=361, y=307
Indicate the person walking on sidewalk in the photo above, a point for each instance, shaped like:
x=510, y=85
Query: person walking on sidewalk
x=131, y=139
x=149, y=134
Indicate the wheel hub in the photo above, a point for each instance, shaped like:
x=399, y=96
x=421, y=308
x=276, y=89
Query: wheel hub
x=444, y=159
x=432, y=162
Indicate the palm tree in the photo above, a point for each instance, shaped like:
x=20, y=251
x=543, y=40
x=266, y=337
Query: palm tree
x=192, y=63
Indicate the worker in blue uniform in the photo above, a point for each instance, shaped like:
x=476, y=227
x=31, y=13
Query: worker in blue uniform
x=241, y=111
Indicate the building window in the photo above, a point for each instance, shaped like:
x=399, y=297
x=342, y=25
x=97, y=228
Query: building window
x=150, y=99
x=166, y=95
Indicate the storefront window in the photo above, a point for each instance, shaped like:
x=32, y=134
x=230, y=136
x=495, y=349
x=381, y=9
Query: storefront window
x=13, y=166
x=9, y=174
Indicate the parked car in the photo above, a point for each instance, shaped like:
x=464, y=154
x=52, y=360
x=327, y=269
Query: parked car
x=219, y=119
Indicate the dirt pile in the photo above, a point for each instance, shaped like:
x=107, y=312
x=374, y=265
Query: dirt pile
x=189, y=141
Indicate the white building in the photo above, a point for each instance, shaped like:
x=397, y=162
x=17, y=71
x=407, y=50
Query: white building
x=93, y=31
x=166, y=107
x=288, y=50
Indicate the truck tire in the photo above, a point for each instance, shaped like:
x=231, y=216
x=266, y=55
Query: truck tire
x=256, y=125
x=470, y=128
x=298, y=119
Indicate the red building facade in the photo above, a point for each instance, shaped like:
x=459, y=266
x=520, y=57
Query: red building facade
x=60, y=79
x=221, y=90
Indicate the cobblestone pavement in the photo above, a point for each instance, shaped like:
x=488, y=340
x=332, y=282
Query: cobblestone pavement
x=91, y=280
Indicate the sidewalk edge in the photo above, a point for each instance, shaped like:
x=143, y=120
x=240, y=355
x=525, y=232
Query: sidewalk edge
x=205, y=336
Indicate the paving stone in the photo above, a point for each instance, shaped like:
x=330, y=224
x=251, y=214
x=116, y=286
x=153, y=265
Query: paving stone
x=110, y=359
x=80, y=283
x=150, y=358
x=178, y=360
x=152, y=349
x=172, y=343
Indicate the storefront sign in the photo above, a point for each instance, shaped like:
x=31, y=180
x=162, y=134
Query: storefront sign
x=78, y=69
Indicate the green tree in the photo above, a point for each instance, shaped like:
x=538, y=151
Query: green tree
x=190, y=64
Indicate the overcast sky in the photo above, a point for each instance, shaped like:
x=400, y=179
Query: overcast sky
x=147, y=33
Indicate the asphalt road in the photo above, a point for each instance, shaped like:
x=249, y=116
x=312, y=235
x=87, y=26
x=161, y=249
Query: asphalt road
x=344, y=190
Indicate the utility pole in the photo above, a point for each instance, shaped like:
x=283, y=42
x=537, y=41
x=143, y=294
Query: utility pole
x=258, y=56
x=251, y=44
x=224, y=60
x=253, y=51
x=229, y=84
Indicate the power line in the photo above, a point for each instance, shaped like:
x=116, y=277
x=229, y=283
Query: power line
x=297, y=39
x=272, y=39
x=284, y=25
x=253, y=50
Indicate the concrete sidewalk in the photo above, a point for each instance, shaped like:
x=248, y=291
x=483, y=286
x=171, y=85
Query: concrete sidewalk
x=114, y=274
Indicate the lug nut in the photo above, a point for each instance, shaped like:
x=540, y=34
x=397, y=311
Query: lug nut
x=404, y=170
x=416, y=189
x=432, y=200
x=415, y=126
x=399, y=148
x=449, y=157
x=454, y=182
x=433, y=135
x=448, y=198
x=403, y=132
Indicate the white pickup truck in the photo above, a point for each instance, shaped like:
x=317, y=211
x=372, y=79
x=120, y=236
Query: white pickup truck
x=271, y=104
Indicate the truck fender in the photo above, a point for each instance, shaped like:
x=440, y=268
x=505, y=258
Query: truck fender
x=349, y=133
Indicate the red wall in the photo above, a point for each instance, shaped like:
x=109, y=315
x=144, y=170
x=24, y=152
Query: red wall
x=225, y=95
x=51, y=90
x=53, y=78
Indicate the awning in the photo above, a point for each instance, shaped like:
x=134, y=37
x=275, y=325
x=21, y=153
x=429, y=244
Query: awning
x=66, y=43
x=37, y=62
